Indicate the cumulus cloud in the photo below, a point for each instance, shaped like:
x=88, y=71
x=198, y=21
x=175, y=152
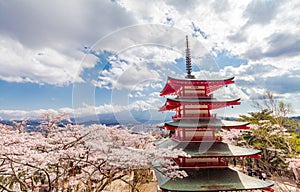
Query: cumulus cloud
x=41, y=42
x=261, y=11
x=47, y=25
x=256, y=78
x=138, y=68
x=283, y=84
x=57, y=23
x=23, y=114
x=43, y=66
x=283, y=44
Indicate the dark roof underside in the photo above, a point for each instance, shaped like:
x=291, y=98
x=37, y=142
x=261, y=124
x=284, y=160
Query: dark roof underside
x=208, y=149
x=201, y=100
x=202, y=80
x=204, y=123
x=216, y=179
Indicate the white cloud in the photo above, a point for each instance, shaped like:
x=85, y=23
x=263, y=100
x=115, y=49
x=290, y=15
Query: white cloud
x=138, y=67
x=261, y=11
x=138, y=105
x=256, y=76
x=249, y=29
x=45, y=65
x=23, y=114
x=41, y=42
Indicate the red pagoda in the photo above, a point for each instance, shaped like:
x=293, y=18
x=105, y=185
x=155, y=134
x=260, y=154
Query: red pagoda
x=194, y=129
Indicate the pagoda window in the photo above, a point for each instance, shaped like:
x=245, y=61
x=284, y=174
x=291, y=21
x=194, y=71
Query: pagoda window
x=193, y=90
x=199, y=106
x=179, y=133
x=202, y=160
x=199, y=133
x=195, y=87
x=194, y=135
x=195, y=111
x=179, y=91
x=190, y=134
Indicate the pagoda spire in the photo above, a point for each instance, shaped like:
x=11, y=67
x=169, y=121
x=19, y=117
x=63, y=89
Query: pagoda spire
x=188, y=62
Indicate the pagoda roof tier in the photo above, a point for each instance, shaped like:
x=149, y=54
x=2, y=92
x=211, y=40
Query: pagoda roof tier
x=173, y=103
x=174, y=84
x=213, y=179
x=204, y=124
x=208, y=149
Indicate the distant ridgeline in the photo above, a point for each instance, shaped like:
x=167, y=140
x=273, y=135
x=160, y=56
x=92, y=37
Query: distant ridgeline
x=31, y=124
x=139, y=125
x=106, y=119
x=110, y=120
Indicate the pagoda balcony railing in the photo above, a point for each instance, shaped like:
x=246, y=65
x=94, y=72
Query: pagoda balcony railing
x=195, y=96
x=194, y=116
x=198, y=138
x=202, y=164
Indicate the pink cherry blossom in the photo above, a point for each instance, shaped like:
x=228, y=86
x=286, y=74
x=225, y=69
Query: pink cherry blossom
x=76, y=157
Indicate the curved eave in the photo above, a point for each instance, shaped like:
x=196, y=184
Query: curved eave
x=168, y=107
x=215, y=179
x=200, y=100
x=173, y=83
x=209, y=149
x=172, y=103
x=212, y=123
x=167, y=90
x=178, y=80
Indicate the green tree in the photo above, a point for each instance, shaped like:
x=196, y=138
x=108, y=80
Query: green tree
x=271, y=132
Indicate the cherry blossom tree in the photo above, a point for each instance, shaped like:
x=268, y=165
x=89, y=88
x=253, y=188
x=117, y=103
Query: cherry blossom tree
x=62, y=156
x=232, y=136
x=294, y=165
x=30, y=160
x=120, y=151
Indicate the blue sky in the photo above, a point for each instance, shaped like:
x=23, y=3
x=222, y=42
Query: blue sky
x=114, y=56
